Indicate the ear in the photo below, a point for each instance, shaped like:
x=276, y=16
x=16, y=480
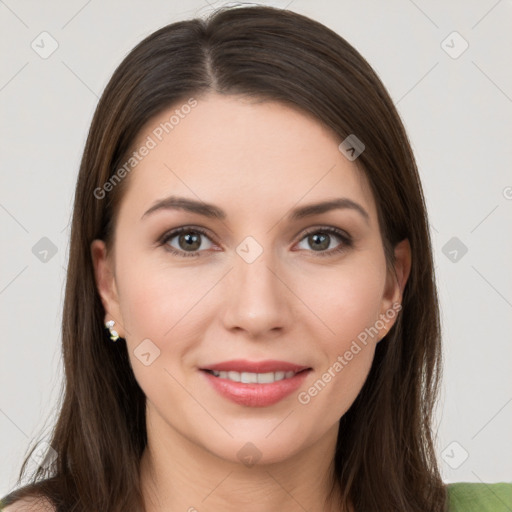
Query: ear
x=106, y=284
x=395, y=285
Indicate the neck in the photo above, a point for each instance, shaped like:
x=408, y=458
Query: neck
x=179, y=475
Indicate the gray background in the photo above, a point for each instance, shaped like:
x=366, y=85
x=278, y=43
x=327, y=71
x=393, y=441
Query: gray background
x=458, y=113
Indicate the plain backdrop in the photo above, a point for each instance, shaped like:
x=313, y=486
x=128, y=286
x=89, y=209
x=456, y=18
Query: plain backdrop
x=454, y=93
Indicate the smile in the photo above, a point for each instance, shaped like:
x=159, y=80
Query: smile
x=255, y=384
x=253, y=378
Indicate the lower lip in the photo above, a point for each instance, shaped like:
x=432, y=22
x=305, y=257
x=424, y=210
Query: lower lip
x=256, y=395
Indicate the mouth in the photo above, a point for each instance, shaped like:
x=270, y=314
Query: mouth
x=255, y=384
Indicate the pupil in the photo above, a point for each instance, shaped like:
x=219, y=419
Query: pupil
x=320, y=241
x=191, y=241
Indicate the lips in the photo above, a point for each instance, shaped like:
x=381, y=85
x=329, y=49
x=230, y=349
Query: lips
x=255, y=383
x=241, y=365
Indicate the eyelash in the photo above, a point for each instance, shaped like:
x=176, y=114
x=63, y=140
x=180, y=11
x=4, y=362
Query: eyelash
x=346, y=240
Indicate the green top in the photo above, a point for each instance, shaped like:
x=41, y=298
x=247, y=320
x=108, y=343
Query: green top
x=480, y=497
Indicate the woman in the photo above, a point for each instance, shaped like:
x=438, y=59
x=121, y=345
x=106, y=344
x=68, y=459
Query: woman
x=251, y=320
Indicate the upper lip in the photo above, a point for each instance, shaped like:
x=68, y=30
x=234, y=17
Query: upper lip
x=242, y=365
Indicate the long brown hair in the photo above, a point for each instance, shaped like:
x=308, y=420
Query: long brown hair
x=385, y=457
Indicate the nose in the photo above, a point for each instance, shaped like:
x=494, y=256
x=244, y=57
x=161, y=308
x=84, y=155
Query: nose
x=257, y=300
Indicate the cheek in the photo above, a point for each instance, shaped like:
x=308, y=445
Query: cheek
x=335, y=388
x=348, y=300
x=157, y=298
x=162, y=305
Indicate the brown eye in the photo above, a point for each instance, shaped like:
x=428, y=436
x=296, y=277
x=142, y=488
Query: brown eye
x=186, y=242
x=323, y=241
x=319, y=241
x=189, y=241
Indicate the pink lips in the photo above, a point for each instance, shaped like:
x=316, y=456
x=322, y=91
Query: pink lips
x=241, y=365
x=256, y=395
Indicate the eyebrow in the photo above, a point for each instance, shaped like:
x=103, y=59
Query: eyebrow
x=212, y=211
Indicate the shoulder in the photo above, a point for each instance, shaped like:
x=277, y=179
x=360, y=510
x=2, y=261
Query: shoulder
x=480, y=497
x=29, y=505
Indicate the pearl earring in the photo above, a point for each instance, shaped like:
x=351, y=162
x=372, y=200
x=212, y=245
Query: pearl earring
x=114, y=335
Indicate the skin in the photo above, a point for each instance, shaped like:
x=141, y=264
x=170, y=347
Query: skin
x=256, y=161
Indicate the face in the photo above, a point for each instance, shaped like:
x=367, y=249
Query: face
x=222, y=271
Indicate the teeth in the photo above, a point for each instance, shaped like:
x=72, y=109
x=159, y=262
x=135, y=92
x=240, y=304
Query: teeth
x=248, y=378
x=253, y=378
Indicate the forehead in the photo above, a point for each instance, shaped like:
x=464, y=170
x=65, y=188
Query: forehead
x=250, y=152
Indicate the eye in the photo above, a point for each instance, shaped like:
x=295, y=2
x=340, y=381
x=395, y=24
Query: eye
x=189, y=241
x=321, y=240
x=186, y=241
